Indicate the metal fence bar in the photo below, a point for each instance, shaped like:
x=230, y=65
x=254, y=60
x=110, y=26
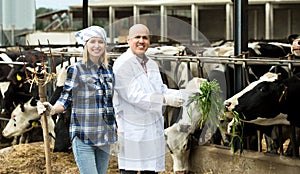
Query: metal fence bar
x=221, y=60
x=16, y=63
x=231, y=60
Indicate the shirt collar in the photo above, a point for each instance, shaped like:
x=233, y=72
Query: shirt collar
x=144, y=59
x=91, y=64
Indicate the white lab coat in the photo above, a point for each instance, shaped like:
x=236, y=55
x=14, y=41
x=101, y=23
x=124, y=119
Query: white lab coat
x=138, y=101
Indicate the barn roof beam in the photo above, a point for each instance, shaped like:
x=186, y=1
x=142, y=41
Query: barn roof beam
x=85, y=4
x=269, y=20
x=163, y=23
x=229, y=21
x=136, y=14
x=195, y=23
x=111, y=21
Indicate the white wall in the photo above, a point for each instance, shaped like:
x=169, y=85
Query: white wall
x=53, y=37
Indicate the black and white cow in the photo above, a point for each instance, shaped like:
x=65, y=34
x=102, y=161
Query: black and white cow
x=18, y=75
x=24, y=114
x=22, y=91
x=259, y=50
x=268, y=101
x=13, y=89
x=179, y=136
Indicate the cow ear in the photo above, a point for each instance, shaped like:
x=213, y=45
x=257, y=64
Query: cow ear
x=171, y=129
x=22, y=106
x=167, y=131
x=33, y=102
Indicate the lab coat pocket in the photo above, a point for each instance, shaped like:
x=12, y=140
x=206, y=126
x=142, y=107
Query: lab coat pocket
x=135, y=135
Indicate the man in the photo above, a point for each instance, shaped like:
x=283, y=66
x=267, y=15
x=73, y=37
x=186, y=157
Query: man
x=138, y=100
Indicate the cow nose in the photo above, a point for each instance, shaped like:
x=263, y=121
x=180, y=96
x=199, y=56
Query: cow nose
x=3, y=133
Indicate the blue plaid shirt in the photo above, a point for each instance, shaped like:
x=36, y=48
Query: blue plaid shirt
x=89, y=89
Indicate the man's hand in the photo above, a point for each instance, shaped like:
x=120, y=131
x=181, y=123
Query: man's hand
x=173, y=100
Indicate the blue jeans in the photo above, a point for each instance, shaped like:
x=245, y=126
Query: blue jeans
x=90, y=159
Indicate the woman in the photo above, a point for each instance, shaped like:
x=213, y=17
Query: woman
x=88, y=90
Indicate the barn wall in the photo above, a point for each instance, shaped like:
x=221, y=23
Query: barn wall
x=212, y=159
x=208, y=14
x=285, y=20
x=212, y=25
x=256, y=22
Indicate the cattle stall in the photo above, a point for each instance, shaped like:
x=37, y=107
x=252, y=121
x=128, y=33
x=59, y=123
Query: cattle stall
x=177, y=70
x=209, y=158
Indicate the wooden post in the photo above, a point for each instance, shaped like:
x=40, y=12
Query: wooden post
x=259, y=149
x=45, y=127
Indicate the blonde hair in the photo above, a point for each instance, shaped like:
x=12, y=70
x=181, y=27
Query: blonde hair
x=86, y=53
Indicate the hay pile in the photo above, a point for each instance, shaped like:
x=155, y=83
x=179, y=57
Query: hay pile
x=30, y=159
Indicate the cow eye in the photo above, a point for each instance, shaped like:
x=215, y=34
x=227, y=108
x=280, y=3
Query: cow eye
x=262, y=89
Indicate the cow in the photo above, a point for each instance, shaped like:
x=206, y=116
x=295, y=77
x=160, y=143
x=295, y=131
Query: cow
x=30, y=59
x=179, y=136
x=268, y=101
x=223, y=72
x=23, y=118
x=24, y=114
x=61, y=127
x=21, y=91
x=18, y=76
x=11, y=95
x=14, y=94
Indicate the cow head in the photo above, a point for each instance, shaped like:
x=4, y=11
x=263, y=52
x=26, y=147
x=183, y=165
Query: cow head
x=295, y=48
x=178, y=142
x=19, y=73
x=259, y=99
x=23, y=118
x=14, y=95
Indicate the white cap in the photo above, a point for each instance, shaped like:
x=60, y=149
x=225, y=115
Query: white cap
x=93, y=31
